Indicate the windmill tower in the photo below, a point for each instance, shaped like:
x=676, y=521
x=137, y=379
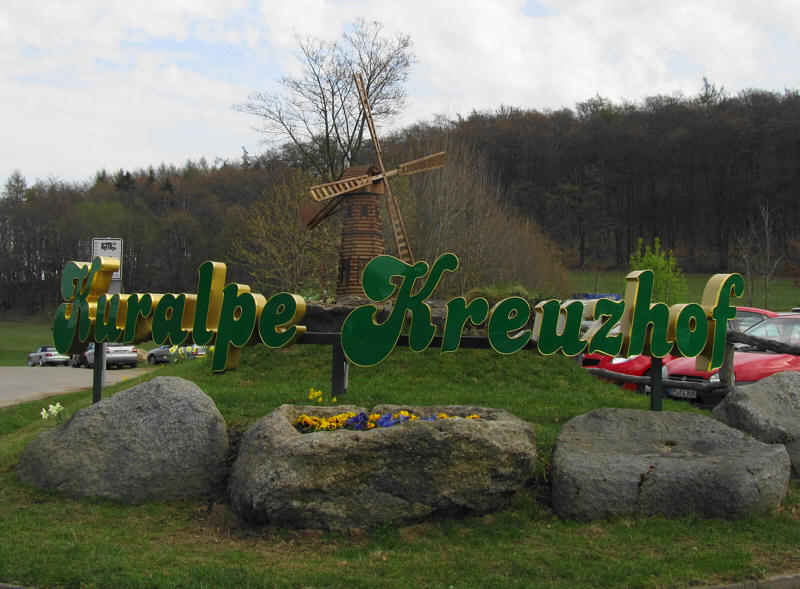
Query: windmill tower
x=358, y=193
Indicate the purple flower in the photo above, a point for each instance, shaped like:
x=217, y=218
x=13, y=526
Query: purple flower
x=386, y=421
x=359, y=422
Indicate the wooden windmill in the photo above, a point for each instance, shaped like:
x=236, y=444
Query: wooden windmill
x=358, y=192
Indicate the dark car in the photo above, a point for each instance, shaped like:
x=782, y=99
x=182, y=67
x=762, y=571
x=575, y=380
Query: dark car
x=78, y=360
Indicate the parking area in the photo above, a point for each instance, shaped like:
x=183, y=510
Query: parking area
x=20, y=384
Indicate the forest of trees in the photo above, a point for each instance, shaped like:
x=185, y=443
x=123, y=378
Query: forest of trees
x=698, y=172
x=525, y=194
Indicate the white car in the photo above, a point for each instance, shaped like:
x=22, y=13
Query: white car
x=116, y=355
x=47, y=356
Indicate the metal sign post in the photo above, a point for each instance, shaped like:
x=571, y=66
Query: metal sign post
x=107, y=247
x=339, y=371
x=99, y=372
x=656, y=384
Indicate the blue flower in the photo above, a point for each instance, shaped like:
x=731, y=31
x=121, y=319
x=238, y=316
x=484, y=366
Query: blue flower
x=387, y=421
x=359, y=422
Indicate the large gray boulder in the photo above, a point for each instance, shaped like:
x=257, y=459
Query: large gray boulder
x=614, y=462
x=356, y=479
x=162, y=439
x=768, y=410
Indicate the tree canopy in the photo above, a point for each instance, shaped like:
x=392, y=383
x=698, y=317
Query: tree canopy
x=524, y=194
x=319, y=114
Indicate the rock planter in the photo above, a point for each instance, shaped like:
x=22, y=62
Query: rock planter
x=163, y=439
x=357, y=479
x=614, y=462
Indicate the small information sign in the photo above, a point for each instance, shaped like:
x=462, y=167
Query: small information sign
x=109, y=247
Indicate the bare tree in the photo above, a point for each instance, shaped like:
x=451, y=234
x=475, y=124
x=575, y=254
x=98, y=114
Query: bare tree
x=768, y=265
x=460, y=209
x=319, y=114
x=275, y=251
x=755, y=251
x=747, y=256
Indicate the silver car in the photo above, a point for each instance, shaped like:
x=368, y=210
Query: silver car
x=116, y=355
x=47, y=356
x=159, y=355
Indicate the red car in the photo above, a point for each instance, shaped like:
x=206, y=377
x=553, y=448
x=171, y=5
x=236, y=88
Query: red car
x=750, y=363
x=633, y=365
x=746, y=317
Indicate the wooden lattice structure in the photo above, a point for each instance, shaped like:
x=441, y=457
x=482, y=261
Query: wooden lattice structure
x=357, y=193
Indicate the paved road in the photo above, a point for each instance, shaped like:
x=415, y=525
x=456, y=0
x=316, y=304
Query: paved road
x=19, y=384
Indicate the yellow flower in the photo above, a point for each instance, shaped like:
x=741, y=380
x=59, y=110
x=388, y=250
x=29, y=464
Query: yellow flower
x=473, y=416
x=442, y=416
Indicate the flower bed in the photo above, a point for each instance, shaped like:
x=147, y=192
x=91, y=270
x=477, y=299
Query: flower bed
x=306, y=467
x=363, y=421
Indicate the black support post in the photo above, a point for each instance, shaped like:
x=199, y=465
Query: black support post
x=99, y=376
x=339, y=371
x=656, y=384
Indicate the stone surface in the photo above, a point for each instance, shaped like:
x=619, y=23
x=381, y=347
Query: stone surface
x=614, y=462
x=162, y=439
x=356, y=479
x=768, y=410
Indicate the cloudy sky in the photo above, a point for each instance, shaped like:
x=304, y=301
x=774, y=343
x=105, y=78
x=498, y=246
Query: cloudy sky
x=90, y=84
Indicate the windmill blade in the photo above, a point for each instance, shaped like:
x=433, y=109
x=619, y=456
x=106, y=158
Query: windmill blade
x=398, y=228
x=430, y=162
x=322, y=192
x=312, y=213
x=362, y=93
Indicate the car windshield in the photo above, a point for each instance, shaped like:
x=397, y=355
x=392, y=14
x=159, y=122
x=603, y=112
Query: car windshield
x=781, y=329
x=48, y=349
x=745, y=320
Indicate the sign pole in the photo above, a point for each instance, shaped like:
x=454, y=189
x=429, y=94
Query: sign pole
x=99, y=372
x=339, y=371
x=656, y=383
x=109, y=247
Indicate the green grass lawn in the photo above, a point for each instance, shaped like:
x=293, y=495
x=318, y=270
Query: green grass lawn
x=782, y=296
x=20, y=338
x=50, y=541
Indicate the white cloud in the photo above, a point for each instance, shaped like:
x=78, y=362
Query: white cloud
x=97, y=83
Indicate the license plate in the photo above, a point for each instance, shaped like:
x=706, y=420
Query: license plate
x=682, y=393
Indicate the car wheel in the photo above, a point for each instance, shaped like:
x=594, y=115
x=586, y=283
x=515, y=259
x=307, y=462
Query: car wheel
x=41, y=361
x=29, y=362
x=151, y=360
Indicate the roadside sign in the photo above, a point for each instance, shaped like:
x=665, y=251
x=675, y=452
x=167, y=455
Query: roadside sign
x=109, y=247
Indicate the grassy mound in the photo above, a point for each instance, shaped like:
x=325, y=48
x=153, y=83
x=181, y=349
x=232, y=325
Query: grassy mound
x=49, y=541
